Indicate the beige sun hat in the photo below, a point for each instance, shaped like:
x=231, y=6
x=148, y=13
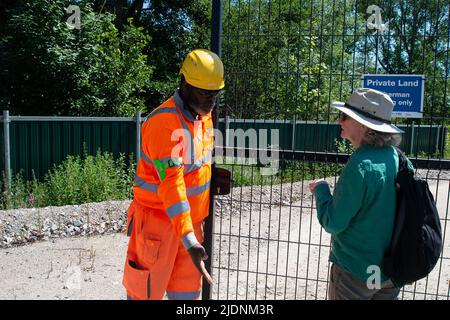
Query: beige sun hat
x=371, y=108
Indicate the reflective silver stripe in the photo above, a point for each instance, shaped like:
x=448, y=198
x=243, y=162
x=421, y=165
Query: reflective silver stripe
x=178, y=208
x=183, y=295
x=189, y=240
x=145, y=158
x=193, y=191
x=188, y=168
x=190, y=138
x=141, y=183
x=180, y=103
x=207, y=157
x=162, y=110
x=198, y=164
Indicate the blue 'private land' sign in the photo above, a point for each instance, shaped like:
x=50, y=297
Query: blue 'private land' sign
x=405, y=90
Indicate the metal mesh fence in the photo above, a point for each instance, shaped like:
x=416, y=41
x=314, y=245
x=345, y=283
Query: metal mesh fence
x=286, y=61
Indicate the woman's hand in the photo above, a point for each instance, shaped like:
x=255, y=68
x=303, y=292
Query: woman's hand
x=313, y=184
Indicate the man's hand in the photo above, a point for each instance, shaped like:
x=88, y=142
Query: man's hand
x=198, y=255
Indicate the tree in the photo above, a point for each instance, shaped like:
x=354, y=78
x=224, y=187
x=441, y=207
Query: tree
x=291, y=58
x=46, y=68
x=270, y=61
x=417, y=42
x=175, y=27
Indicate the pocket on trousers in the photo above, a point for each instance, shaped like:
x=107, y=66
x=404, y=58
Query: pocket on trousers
x=151, y=250
x=136, y=280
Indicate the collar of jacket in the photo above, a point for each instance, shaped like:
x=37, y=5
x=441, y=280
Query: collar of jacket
x=185, y=111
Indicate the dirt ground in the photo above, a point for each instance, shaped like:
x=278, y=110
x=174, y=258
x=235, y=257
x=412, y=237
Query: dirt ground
x=79, y=268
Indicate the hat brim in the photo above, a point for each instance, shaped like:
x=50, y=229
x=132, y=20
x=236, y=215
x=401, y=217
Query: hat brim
x=368, y=122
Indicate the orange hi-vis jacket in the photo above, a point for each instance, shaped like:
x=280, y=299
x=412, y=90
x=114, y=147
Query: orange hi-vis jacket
x=174, y=170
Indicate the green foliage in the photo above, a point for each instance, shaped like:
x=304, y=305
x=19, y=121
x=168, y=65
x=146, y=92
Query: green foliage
x=265, y=58
x=176, y=27
x=344, y=146
x=94, y=70
x=123, y=58
x=283, y=59
x=17, y=197
x=287, y=59
x=416, y=43
x=77, y=180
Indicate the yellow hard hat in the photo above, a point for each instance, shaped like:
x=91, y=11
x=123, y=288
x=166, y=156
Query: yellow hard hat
x=203, y=69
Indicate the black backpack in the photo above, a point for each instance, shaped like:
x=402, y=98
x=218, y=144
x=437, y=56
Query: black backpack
x=417, y=237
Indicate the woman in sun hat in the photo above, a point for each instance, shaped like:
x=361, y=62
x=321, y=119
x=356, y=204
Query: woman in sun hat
x=360, y=213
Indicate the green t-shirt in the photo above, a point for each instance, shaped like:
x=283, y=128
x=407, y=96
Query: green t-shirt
x=360, y=213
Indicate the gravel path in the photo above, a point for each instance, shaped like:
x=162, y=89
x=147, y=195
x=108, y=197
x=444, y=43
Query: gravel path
x=23, y=226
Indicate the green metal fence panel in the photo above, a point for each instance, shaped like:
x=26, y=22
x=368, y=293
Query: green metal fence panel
x=316, y=137
x=423, y=140
x=36, y=146
x=322, y=137
x=261, y=129
x=428, y=140
x=290, y=60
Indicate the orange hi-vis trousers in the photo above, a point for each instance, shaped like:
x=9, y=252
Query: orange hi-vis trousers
x=157, y=261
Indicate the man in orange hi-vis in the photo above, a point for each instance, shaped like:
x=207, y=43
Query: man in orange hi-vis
x=172, y=187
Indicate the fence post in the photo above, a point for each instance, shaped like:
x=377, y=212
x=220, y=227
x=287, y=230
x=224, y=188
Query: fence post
x=436, y=150
x=443, y=141
x=411, y=148
x=138, y=135
x=6, y=121
x=216, y=47
x=216, y=27
x=227, y=128
x=293, y=133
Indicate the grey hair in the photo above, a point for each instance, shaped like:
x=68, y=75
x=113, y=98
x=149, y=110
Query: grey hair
x=381, y=139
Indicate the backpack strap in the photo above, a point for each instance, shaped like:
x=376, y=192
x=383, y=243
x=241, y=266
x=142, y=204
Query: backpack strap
x=402, y=160
x=399, y=212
